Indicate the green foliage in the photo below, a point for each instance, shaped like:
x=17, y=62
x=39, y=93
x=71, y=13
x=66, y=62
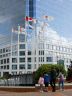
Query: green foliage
x=6, y=76
x=69, y=74
x=47, y=68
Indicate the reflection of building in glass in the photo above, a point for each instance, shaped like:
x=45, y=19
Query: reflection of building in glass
x=13, y=12
x=23, y=8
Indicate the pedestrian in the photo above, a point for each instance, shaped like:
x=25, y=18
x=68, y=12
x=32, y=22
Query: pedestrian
x=41, y=82
x=46, y=81
x=61, y=81
x=53, y=79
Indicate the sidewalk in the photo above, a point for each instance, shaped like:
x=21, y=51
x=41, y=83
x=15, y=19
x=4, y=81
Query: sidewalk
x=57, y=93
x=29, y=89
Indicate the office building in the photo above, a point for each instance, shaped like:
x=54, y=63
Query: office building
x=29, y=48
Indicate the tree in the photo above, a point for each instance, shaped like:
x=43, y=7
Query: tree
x=69, y=73
x=6, y=76
x=47, y=68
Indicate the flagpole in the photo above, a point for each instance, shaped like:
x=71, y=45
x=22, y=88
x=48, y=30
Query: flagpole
x=34, y=47
x=18, y=47
x=26, y=48
x=11, y=50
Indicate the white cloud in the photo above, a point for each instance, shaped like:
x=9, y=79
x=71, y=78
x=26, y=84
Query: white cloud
x=50, y=35
x=53, y=36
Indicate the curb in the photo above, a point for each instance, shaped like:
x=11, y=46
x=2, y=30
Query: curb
x=27, y=89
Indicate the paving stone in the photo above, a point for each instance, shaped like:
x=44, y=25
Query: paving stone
x=57, y=93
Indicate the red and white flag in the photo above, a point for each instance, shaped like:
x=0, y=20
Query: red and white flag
x=34, y=21
x=19, y=30
x=28, y=18
x=48, y=17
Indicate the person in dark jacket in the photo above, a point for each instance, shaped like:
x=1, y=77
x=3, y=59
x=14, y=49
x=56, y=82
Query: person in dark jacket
x=53, y=79
x=46, y=81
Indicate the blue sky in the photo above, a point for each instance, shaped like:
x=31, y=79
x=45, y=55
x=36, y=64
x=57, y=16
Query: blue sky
x=11, y=13
x=61, y=10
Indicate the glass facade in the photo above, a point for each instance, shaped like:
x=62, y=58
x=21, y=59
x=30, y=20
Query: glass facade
x=31, y=8
x=13, y=13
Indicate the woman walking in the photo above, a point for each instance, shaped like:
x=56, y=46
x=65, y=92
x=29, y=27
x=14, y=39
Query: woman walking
x=61, y=81
x=41, y=82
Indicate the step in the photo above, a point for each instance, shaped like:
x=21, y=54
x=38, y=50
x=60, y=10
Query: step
x=27, y=88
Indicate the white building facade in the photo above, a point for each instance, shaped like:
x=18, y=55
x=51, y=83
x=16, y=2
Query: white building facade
x=24, y=55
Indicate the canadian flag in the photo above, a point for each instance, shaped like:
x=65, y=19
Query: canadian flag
x=28, y=18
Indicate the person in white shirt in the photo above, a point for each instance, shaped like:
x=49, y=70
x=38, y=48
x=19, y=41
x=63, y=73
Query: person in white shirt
x=41, y=82
x=61, y=81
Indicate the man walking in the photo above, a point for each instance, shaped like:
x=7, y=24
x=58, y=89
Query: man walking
x=53, y=79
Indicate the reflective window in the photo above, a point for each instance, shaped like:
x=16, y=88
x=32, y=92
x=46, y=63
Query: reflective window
x=41, y=52
x=0, y=50
x=14, y=73
x=22, y=53
x=4, y=61
x=29, y=52
x=29, y=66
x=7, y=66
x=47, y=46
x=3, y=55
x=7, y=60
x=0, y=56
x=1, y=67
x=14, y=53
x=22, y=46
x=35, y=59
x=4, y=66
x=1, y=61
x=34, y=66
x=14, y=60
x=14, y=47
x=22, y=59
x=14, y=67
x=49, y=59
x=3, y=50
x=22, y=38
x=39, y=59
x=21, y=66
x=29, y=59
